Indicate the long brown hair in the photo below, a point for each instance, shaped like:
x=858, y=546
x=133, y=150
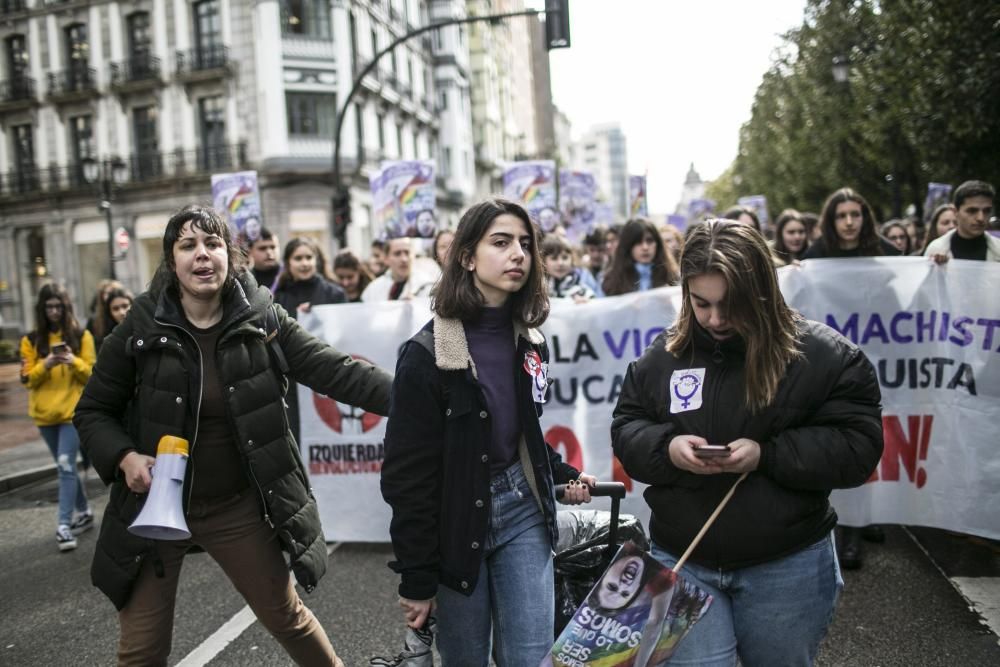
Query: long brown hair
x=622, y=276
x=346, y=259
x=67, y=326
x=456, y=296
x=285, y=279
x=868, y=240
x=754, y=304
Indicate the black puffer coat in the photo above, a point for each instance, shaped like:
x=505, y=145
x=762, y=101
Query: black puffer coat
x=147, y=383
x=822, y=431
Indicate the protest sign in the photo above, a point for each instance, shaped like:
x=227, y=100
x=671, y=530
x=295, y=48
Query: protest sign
x=637, y=197
x=403, y=199
x=238, y=197
x=635, y=615
x=937, y=194
x=577, y=196
x=533, y=184
x=932, y=333
x=757, y=203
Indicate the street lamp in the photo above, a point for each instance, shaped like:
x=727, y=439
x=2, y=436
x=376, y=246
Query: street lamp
x=107, y=182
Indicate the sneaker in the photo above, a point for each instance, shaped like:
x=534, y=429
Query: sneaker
x=82, y=523
x=65, y=539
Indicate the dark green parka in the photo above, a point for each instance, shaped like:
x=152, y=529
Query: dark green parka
x=147, y=383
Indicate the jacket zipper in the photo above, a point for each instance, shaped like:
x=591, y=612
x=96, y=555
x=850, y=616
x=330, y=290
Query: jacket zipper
x=197, y=412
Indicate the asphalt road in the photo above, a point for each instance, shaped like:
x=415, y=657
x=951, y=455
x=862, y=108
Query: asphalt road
x=900, y=609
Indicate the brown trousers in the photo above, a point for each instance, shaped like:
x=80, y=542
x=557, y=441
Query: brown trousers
x=232, y=532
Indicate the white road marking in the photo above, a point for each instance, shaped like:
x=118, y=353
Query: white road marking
x=230, y=631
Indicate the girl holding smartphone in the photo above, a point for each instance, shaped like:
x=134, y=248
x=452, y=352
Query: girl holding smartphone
x=467, y=472
x=56, y=362
x=796, y=405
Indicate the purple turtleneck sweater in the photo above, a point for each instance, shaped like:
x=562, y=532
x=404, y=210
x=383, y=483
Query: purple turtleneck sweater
x=491, y=344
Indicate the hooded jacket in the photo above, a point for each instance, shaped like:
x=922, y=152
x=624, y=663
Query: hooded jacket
x=147, y=384
x=822, y=431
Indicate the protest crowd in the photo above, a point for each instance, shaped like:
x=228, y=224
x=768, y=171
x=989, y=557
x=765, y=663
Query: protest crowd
x=203, y=354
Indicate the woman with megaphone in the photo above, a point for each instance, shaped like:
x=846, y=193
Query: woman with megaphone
x=202, y=358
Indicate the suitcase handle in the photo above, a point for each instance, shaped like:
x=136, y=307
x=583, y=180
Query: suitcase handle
x=613, y=490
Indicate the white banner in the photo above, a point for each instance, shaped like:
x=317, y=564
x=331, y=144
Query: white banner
x=930, y=331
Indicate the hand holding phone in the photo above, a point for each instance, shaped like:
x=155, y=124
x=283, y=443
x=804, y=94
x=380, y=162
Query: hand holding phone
x=60, y=349
x=712, y=451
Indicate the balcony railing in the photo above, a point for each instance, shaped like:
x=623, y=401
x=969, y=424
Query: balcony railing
x=203, y=59
x=141, y=168
x=68, y=82
x=17, y=89
x=141, y=68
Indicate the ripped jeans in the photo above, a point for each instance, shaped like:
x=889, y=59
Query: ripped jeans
x=64, y=443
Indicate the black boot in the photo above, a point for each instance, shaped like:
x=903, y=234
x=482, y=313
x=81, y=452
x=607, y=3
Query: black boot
x=850, y=550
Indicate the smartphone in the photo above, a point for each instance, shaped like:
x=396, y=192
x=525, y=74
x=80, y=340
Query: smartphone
x=60, y=348
x=712, y=451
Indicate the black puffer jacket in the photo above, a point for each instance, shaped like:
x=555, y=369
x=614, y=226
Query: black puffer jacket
x=823, y=431
x=436, y=473
x=147, y=383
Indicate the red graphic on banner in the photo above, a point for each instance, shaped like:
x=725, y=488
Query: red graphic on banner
x=344, y=418
x=908, y=449
x=564, y=438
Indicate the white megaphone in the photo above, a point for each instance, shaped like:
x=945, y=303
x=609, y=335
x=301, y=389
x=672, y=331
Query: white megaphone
x=162, y=517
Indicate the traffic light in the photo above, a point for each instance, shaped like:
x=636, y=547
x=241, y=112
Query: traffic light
x=557, y=24
x=341, y=213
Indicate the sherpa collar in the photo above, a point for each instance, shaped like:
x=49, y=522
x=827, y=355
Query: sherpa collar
x=451, y=348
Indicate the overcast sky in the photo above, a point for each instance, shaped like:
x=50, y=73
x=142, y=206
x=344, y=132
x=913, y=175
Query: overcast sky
x=679, y=76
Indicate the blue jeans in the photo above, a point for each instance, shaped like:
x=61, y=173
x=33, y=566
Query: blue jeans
x=772, y=615
x=64, y=444
x=513, y=602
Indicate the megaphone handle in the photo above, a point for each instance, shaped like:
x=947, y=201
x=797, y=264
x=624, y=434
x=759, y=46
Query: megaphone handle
x=708, y=523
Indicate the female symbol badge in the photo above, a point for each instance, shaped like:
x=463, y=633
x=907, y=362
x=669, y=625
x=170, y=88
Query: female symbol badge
x=539, y=371
x=685, y=389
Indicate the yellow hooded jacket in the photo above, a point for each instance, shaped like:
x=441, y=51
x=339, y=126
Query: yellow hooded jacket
x=54, y=392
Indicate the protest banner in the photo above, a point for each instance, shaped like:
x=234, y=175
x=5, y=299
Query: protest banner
x=403, y=198
x=932, y=333
x=238, y=197
x=699, y=209
x=637, y=207
x=636, y=614
x=533, y=183
x=577, y=196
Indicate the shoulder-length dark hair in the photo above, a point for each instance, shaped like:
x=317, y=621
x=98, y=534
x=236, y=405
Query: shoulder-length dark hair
x=286, y=279
x=68, y=326
x=346, y=259
x=868, y=242
x=622, y=276
x=887, y=226
x=115, y=293
x=456, y=296
x=208, y=220
x=780, y=249
x=754, y=305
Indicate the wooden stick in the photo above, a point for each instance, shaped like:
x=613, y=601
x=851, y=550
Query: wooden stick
x=708, y=524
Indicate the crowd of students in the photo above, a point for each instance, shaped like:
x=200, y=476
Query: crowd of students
x=471, y=540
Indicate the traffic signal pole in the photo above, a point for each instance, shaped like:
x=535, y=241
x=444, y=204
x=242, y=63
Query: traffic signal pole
x=555, y=10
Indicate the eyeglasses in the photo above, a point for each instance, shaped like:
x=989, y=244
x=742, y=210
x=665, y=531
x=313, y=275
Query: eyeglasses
x=897, y=237
x=54, y=306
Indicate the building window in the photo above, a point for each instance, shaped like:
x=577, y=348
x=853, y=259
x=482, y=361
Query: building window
x=306, y=18
x=25, y=177
x=81, y=129
x=17, y=57
x=140, y=42
x=359, y=128
x=374, y=43
x=213, y=153
x=353, y=23
x=446, y=162
x=399, y=140
x=443, y=100
x=381, y=132
x=207, y=32
x=77, y=57
x=146, y=162
x=310, y=114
